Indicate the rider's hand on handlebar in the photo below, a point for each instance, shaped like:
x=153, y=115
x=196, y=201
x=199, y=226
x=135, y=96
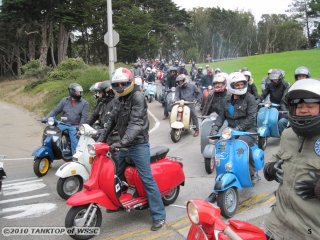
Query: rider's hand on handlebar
x=273, y=171
x=115, y=146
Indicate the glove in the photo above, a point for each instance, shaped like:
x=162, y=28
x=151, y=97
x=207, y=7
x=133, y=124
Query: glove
x=115, y=146
x=273, y=171
x=308, y=189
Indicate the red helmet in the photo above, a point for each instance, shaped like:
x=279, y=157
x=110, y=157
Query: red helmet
x=122, y=81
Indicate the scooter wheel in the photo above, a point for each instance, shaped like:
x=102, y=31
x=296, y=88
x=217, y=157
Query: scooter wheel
x=171, y=197
x=41, y=166
x=175, y=135
x=68, y=186
x=209, y=165
x=228, y=202
x=150, y=98
x=76, y=213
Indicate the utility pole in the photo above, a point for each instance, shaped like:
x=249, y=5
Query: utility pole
x=110, y=39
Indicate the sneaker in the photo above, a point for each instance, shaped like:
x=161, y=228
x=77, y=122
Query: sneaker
x=196, y=133
x=157, y=224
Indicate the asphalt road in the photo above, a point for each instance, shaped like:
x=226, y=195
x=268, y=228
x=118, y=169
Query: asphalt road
x=29, y=201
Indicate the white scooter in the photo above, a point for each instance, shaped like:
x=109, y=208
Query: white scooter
x=73, y=174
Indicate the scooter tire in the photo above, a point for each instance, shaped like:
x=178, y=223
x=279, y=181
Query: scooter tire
x=150, y=98
x=175, y=135
x=38, y=167
x=171, y=197
x=79, y=211
x=209, y=165
x=61, y=186
x=223, y=202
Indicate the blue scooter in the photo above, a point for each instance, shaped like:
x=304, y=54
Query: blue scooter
x=150, y=90
x=56, y=144
x=232, y=168
x=267, y=121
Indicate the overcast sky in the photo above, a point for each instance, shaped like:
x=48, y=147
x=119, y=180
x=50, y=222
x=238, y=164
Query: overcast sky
x=256, y=7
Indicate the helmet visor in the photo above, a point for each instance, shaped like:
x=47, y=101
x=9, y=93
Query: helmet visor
x=120, y=86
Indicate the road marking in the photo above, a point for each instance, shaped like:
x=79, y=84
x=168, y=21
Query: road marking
x=16, y=159
x=28, y=211
x=22, y=187
x=157, y=123
x=20, y=179
x=177, y=206
x=24, y=198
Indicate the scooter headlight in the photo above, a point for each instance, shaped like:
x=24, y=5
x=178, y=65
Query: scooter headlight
x=82, y=130
x=91, y=150
x=51, y=121
x=226, y=133
x=193, y=212
x=228, y=166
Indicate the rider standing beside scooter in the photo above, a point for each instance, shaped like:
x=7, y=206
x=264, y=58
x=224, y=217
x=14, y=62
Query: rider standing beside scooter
x=188, y=92
x=74, y=108
x=296, y=166
x=130, y=116
x=217, y=97
x=240, y=111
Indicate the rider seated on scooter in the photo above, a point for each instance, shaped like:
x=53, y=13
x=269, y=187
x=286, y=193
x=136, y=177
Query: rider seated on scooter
x=240, y=111
x=207, y=79
x=216, y=99
x=75, y=109
x=277, y=89
x=170, y=82
x=188, y=92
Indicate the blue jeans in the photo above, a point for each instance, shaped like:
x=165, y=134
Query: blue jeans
x=73, y=138
x=140, y=155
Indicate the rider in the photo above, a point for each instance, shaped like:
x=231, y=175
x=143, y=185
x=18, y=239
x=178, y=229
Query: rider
x=277, y=89
x=216, y=99
x=251, y=86
x=182, y=69
x=199, y=76
x=130, y=116
x=137, y=70
x=188, y=92
x=206, y=80
x=240, y=111
x=171, y=79
x=301, y=73
x=74, y=108
x=296, y=167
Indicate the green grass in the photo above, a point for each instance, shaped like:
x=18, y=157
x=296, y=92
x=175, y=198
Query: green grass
x=260, y=64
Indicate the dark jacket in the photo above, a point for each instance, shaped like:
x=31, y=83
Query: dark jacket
x=245, y=112
x=101, y=111
x=189, y=93
x=215, y=103
x=76, y=115
x=130, y=117
x=207, y=81
x=171, y=81
x=253, y=90
x=277, y=93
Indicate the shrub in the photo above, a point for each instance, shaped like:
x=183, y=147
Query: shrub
x=69, y=69
x=33, y=69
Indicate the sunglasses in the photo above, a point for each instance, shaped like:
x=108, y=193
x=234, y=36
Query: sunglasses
x=304, y=100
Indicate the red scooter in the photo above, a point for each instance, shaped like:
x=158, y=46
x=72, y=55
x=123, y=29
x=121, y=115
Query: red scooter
x=208, y=225
x=106, y=189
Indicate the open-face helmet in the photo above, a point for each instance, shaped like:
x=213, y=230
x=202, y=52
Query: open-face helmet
x=302, y=71
x=235, y=78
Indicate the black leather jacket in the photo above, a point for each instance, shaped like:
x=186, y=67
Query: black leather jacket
x=101, y=112
x=130, y=117
x=215, y=103
x=277, y=93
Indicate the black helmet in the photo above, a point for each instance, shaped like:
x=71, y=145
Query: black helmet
x=276, y=76
x=75, y=90
x=106, y=88
x=307, y=91
x=96, y=87
x=301, y=71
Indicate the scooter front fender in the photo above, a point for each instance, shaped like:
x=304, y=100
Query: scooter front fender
x=93, y=196
x=177, y=125
x=42, y=152
x=71, y=169
x=209, y=151
x=264, y=131
x=225, y=181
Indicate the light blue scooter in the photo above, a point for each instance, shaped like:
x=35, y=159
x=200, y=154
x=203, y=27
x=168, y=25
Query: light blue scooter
x=150, y=90
x=232, y=168
x=267, y=121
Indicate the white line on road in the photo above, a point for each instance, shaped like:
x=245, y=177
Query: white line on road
x=156, y=120
x=19, y=180
x=178, y=206
x=5, y=185
x=28, y=211
x=24, y=198
x=16, y=159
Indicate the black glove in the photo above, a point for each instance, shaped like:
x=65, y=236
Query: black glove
x=115, y=146
x=273, y=171
x=308, y=189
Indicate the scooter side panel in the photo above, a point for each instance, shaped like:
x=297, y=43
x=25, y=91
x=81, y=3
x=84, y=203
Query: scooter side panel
x=167, y=174
x=273, y=122
x=209, y=151
x=225, y=181
x=94, y=196
x=205, y=128
x=174, y=112
x=43, y=151
x=186, y=117
x=262, y=114
x=71, y=169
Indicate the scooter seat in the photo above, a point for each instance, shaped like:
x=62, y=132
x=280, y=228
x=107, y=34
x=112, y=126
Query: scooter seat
x=156, y=153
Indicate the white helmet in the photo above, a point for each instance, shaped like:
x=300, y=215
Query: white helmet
x=234, y=78
x=220, y=78
x=148, y=70
x=247, y=73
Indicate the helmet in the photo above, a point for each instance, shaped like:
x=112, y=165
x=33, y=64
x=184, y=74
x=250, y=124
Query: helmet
x=276, y=76
x=182, y=65
x=181, y=80
x=207, y=66
x=217, y=70
x=176, y=62
x=122, y=81
x=244, y=69
x=107, y=89
x=220, y=78
x=247, y=74
x=173, y=69
x=96, y=88
x=75, y=90
x=200, y=69
x=302, y=71
x=148, y=70
x=234, y=78
x=307, y=91
x=269, y=71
